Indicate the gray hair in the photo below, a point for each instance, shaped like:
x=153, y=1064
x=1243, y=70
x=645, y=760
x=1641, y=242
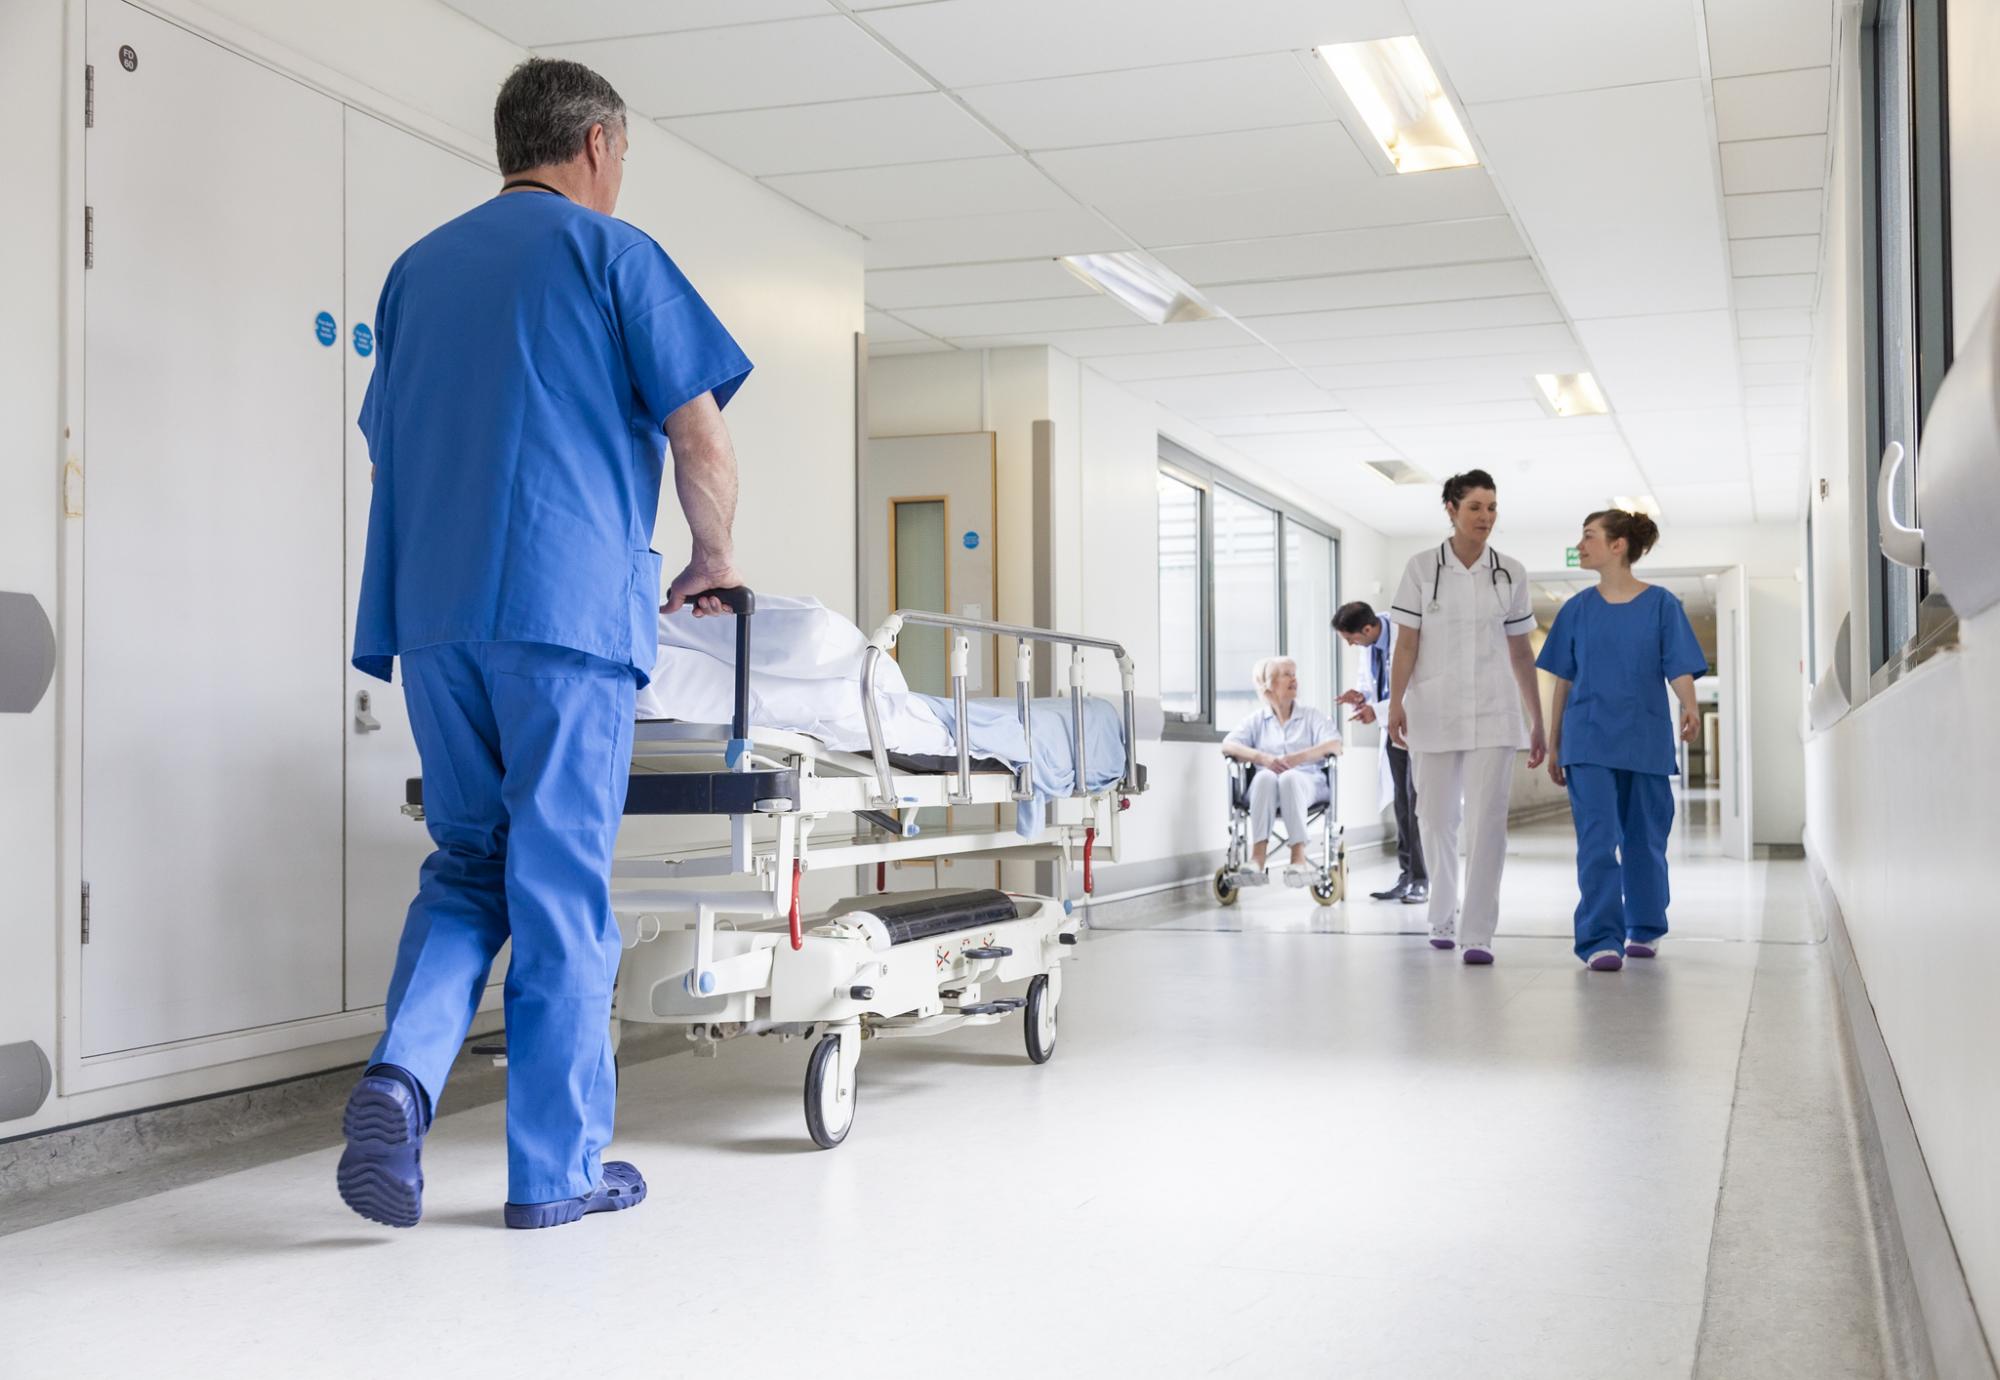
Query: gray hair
x=1266, y=671
x=545, y=112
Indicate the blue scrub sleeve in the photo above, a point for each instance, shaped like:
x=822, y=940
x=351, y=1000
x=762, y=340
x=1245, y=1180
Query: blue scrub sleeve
x=1558, y=655
x=1680, y=654
x=374, y=401
x=675, y=348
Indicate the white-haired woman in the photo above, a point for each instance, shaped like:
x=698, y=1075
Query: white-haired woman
x=1282, y=740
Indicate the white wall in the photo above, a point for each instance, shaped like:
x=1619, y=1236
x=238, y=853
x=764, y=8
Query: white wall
x=787, y=284
x=1899, y=799
x=1106, y=454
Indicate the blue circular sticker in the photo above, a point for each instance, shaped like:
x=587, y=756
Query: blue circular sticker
x=326, y=328
x=972, y=541
x=364, y=339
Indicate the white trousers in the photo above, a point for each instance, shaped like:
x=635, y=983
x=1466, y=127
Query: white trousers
x=1469, y=787
x=1289, y=792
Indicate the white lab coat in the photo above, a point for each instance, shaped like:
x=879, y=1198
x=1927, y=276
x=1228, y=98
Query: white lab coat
x=1465, y=725
x=1364, y=680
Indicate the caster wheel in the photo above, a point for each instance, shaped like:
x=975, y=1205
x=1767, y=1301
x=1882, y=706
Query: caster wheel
x=829, y=1104
x=1038, y=1021
x=1327, y=892
x=1224, y=886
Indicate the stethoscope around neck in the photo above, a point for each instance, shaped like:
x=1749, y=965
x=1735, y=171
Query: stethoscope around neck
x=1494, y=570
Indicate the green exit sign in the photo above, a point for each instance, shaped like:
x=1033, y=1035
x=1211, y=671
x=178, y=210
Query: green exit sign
x=1570, y=558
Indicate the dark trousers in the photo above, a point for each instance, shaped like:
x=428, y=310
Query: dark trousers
x=1409, y=840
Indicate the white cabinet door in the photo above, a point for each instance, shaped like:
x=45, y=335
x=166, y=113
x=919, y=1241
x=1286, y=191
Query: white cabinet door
x=399, y=188
x=211, y=791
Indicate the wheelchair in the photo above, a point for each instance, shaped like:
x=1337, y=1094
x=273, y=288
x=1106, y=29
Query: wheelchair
x=1329, y=880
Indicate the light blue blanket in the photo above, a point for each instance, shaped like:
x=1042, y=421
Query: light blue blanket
x=996, y=733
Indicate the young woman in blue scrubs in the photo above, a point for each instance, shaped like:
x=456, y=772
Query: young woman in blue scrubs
x=1612, y=738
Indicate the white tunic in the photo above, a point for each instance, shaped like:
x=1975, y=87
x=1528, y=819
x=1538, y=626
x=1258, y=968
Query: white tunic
x=1462, y=694
x=1261, y=732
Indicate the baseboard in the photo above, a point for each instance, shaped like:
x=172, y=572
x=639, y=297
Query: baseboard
x=1930, y=1311
x=1126, y=881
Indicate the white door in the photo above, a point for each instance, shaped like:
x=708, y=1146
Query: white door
x=1732, y=631
x=399, y=188
x=927, y=509
x=212, y=542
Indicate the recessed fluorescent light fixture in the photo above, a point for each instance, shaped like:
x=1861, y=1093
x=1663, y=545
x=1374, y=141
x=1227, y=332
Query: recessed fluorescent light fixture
x=1152, y=293
x=1396, y=93
x=1572, y=395
x=1398, y=471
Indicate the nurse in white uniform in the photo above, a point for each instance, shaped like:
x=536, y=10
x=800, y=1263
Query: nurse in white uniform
x=1283, y=740
x=1463, y=699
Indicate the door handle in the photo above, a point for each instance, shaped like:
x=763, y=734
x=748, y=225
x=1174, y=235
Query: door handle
x=1902, y=544
x=364, y=722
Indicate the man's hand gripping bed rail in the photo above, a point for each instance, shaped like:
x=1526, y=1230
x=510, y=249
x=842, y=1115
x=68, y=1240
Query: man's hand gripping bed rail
x=884, y=642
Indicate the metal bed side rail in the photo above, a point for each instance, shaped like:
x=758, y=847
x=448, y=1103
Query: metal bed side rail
x=884, y=641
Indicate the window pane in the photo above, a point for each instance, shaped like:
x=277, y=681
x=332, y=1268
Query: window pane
x=1246, y=601
x=1180, y=598
x=1309, y=613
x=920, y=583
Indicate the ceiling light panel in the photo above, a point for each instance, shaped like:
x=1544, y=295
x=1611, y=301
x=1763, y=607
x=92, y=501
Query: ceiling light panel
x=1392, y=86
x=1572, y=395
x=1148, y=291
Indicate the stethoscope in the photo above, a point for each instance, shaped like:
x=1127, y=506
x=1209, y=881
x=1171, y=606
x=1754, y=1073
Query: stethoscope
x=1494, y=570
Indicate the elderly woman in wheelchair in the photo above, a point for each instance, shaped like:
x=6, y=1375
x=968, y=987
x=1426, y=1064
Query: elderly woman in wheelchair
x=1286, y=749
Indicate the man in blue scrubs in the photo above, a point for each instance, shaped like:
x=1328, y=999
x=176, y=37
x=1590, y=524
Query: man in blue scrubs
x=534, y=358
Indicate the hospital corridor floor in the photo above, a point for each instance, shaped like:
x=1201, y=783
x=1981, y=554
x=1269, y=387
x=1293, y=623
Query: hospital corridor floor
x=1274, y=1140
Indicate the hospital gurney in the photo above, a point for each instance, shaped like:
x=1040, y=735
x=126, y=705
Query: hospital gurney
x=892, y=965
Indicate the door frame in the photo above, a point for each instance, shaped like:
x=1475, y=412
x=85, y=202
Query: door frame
x=264, y=1052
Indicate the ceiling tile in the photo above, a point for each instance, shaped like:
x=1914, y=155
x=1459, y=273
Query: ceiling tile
x=923, y=346
x=841, y=134
x=1651, y=363
x=1209, y=164
x=1447, y=283
x=1564, y=358
x=1642, y=231
x=1180, y=364
x=1775, y=321
x=884, y=329
x=1347, y=251
x=1262, y=91
x=790, y=62
x=1705, y=503
x=1271, y=390
x=1218, y=333
x=1774, y=165
x=1775, y=395
x=891, y=288
x=1768, y=372
x=1516, y=386
x=1535, y=309
x=1515, y=340
x=1453, y=414
x=1308, y=206
x=1788, y=254
x=1692, y=445
x=1784, y=349
x=1779, y=290
x=1300, y=450
x=1495, y=52
x=1771, y=106
x=978, y=42
x=965, y=239
x=1011, y=318
x=1289, y=423
x=1768, y=35
x=1762, y=214
x=913, y=191
x=536, y=23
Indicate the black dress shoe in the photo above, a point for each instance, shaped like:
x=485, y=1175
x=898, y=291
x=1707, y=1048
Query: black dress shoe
x=1417, y=895
x=1394, y=893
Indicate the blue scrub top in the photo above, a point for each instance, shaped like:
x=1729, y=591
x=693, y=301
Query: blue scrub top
x=527, y=355
x=1618, y=659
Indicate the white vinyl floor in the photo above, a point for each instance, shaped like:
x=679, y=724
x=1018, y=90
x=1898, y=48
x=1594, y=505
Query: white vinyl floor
x=1274, y=1141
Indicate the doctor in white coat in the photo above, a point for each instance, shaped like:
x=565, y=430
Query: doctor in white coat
x=1463, y=699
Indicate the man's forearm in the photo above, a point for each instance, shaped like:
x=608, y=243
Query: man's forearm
x=705, y=476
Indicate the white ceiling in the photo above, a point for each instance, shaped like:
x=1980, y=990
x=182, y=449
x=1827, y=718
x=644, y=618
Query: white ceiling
x=1648, y=206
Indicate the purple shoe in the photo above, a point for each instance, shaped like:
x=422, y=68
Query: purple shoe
x=381, y=1174
x=621, y=1187
x=1642, y=948
x=1606, y=961
x=1441, y=942
x=1478, y=954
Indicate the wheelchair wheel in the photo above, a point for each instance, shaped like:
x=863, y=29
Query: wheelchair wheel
x=1224, y=887
x=1333, y=887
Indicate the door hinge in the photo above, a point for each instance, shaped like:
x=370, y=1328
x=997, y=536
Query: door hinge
x=89, y=237
x=89, y=96
x=86, y=912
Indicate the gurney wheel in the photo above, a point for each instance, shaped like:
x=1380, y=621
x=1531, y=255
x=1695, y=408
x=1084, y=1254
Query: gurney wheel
x=1225, y=887
x=829, y=1106
x=1038, y=1022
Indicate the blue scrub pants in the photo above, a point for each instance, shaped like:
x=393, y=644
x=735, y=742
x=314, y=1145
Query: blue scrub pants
x=1622, y=820
x=526, y=752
